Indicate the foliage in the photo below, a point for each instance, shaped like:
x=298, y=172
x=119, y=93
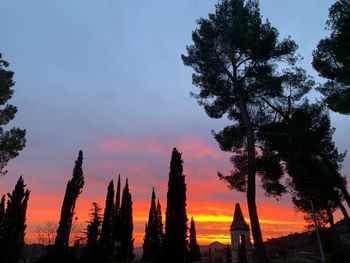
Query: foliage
x=332, y=58
x=195, y=253
x=235, y=57
x=126, y=251
x=152, y=244
x=106, y=239
x=175, y=239
x=11, y=141
x=303, y=143
x=116, y=215
x=73, y=190
x=91, y=251
x=13, y=223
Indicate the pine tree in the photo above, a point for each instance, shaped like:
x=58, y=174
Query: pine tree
x=195, y=253
x=126, y=251
x=11, y=141
x=332, y=58
x=106, y=240
x=90, y=252
x=175, y=239
x=236, y=57
x=73, y=190
x=12, y=238
x=152, y=244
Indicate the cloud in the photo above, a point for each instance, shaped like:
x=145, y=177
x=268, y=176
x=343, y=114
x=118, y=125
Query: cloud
x=145, y=162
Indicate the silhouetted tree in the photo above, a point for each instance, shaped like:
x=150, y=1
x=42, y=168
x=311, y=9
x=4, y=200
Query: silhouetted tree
x=116, y=217
x=2, y=226
x=2, y=214
x=106, y=240
x=91, y=252
x=12, y=236
x=195, y=253
x=332, y=58
x=175, y=239
x=73, y=190
x=126, y=251
x=160, y=221
x=304, y=143
x=152, y=242
x=235, y=57
x=11, y=141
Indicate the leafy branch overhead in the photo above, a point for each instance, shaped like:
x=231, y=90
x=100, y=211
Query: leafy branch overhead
x=11, y=141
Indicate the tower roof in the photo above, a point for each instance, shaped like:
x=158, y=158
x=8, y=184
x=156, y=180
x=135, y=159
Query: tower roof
x=238, y=222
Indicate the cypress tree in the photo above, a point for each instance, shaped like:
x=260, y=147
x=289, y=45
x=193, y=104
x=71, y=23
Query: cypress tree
x=126, y=251
x=160, y=223
x=2, y=214
x=73, y=190
x=152, y=244
x=106, y=240
x=116, y=215
x=117, y=197
x=91, y=250
x=12, y=238
x=175, y=244
x=195, y=253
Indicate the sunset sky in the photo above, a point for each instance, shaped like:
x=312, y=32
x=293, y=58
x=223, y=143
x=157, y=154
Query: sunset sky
x=107, y=77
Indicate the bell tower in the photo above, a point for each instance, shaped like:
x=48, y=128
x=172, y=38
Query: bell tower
x=242, y=251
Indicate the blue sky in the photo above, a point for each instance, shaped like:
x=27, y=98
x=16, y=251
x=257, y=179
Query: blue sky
x=95, y=73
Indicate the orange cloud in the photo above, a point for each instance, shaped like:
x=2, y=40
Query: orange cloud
x=145, y=161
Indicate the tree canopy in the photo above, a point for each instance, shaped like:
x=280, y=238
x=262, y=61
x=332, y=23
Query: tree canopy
x=332, y=58
x=235, y=56
x=11, y=141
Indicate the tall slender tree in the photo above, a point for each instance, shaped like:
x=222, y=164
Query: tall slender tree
x=11, y=141
x=116, y=216
x=160, y=223
x=235, y=57
x=106, y=239
x=73, y=190
x=14, y=225
x=195, y=252
x=175, y=239
x=126, y=251
x=2, y=214
x=152, y=242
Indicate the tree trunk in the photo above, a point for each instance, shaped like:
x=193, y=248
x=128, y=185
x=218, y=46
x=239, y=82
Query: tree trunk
x=337, y=179
x=344, y=191
x=344, y=256
x=260, y=250
x=345, y=213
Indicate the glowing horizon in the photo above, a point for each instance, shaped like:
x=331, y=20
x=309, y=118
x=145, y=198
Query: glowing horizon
x=108, y=79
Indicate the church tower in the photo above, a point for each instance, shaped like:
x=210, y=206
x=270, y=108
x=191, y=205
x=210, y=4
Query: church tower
x=242, y=251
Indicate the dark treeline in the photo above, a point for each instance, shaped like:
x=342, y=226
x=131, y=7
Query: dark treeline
x=13, y=210
x=109, y=238
x=245, y=72
x=12, y=223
